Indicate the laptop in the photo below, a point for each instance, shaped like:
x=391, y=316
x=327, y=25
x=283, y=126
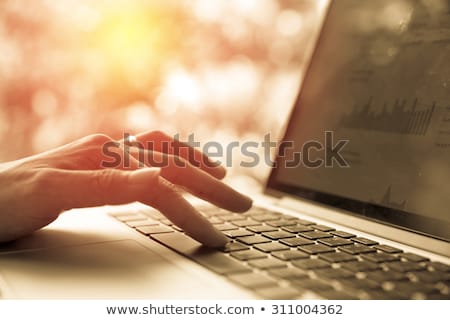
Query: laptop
x=355, y=207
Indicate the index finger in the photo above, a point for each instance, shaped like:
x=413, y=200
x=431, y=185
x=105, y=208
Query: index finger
x=161, y=142
x=196, y=181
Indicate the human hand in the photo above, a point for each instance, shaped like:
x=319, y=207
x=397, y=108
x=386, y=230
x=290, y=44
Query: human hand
x=35, y=190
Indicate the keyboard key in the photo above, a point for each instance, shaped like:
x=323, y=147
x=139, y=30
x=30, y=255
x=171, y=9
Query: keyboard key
x=431, y=276
x=246, y=223
x=323, y=228
x=335, y=242
x=337, y=295
x=402, y=266
x=312, y=284
x=177, y=228
x=265, y=217
x=332, y=273
x=232, y=217
x=362, y=284
x=248, y=255
x=147, y=230
x=139, y=223
x=288, y=273
x=379, y=257
x=357, y=249
x=237, y=233
x=297, y=228
x=411, y=288
x=225, y=227
x=254, y=211
x=278, y=293
x=314, y=235
x=130, y=217
x=167, y=222
x=316, y=248
x=211, y=259
x=210, y=211
x=290, y=255
x=152, y=213
x=308, y=264
x=259, y=229
x=275, y=235
x=382, y=276
x=305, y=222
x=295, y=242
x=360, y=266
x=413, y=257
x=268, y=263
x=253, y=280
x=386, y=295
x=281, y=223
x=215, y=220
x=288, y=217
x=251, y=240
x=343, y=234
x=234, y=246
x=438, y=296
x=439, y=266
x=364, y=241
x=271, y=246
x=387, y=249
x=336, y=257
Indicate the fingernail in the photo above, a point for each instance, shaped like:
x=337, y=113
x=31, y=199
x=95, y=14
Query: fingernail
x=221, y=172
x=215, y=168
x=244, y=203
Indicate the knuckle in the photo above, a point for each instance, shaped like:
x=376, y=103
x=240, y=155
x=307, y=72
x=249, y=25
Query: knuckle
x=104, y=181
x=174, y=171
x=94, y=148
x=157, y=134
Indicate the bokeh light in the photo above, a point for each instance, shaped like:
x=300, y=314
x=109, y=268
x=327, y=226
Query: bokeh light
x=224, y=70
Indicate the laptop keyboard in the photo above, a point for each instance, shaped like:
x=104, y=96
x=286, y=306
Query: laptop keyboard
x=281, y=257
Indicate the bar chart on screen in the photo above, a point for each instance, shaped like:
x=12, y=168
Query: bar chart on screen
x=407, y=117
x=443, y=139
x=402, y=117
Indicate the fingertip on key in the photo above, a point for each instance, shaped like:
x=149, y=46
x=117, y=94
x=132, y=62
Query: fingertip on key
x=218, y=241
x=243, y=204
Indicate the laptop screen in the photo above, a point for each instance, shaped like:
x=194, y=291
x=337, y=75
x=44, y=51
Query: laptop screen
x=370, y=131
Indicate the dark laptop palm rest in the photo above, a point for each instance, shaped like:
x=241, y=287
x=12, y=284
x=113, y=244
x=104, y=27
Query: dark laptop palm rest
x=281, y=257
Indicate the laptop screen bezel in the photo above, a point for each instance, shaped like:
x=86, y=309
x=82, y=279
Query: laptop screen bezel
x=412, y=222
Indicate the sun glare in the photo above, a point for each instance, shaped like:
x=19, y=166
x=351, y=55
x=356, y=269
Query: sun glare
x=185, y=88
x=130, y=37
x=80, y=66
